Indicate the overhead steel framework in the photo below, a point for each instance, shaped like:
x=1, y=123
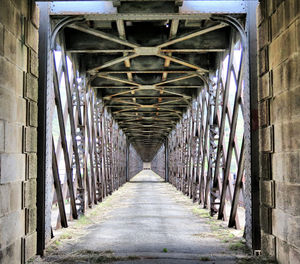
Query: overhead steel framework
x=168, y=85
x=147, y=106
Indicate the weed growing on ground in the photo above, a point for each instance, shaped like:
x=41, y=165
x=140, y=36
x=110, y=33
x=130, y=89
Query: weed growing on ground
x=91, y=256
x=82, y=221
x=66, y=235
x=256, y=260
x=201, y=212
x=238, y=246
x=205, y=258
x=219, y=231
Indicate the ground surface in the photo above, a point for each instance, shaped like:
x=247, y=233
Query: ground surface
x=147, y=221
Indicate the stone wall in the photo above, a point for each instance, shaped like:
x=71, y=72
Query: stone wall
x=18, y=135
x=279, y=117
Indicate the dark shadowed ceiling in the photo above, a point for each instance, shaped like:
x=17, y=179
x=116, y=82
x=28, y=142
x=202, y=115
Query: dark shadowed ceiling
x=147, y=71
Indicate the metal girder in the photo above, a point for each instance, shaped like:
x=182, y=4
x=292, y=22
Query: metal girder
x=111, y=63
x=106, y=10
x=57, y=186
x=103, y=35
x=191, y=50
x=192, y=35
x=200, y=153
x=147, y=72
x=94, y=141
x=145, y=97
x=148, y=87
x=145, y=51
x=148, y=106
x=188, y=127
x=63, y=137
x=110, y=51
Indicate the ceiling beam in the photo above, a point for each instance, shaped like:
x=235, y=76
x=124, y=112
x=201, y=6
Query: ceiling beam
x=110, y=51
x=192, y=35
x=102, y=35
x=111, y=63
x=147, y=72
x=182, y=62
x=192, y=50
x=157, y=105
x=147, y=87
x=113, y=78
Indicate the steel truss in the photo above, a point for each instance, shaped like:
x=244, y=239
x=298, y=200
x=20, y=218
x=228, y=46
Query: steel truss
x=206, y=149
x=165, y=108
x=157, y=165
x=90, y=153
x=92, y=157
x=199, y=153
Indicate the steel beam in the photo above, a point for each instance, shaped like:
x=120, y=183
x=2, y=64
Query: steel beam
x=43, y=117
x=106, y=10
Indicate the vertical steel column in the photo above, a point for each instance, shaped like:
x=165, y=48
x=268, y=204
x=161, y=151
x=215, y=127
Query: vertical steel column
x=166, y=159
x=251, y=135
x=44, y=35
x=90, y=143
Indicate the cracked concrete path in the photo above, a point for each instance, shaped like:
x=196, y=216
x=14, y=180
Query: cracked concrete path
x=146, y=221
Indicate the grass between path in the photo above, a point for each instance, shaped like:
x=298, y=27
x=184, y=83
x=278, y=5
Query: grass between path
x=90, y=256
x=234, y=243
x=256, y=260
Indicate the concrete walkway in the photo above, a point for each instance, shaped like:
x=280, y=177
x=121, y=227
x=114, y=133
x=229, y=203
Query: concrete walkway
x=146, y=221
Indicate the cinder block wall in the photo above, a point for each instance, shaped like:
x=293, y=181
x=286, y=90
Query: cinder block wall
x=279, y=116
x=18, y=122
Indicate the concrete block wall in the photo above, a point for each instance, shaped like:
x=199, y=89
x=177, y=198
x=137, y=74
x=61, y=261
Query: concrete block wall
x=18, y=122
x=279, y=121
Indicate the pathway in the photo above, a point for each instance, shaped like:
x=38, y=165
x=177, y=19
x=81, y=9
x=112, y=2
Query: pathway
x=146, y=221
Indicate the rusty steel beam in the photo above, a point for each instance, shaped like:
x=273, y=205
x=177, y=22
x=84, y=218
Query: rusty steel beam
x=72, y=121
x=103, y=35
x=200, y=153
x=191, y=50
x=192, y=35
x=57, y=186
x=58, y=103
x=94, y=141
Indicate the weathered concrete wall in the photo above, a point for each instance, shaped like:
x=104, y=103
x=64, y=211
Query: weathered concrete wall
x=279, y=116
x=18, y=122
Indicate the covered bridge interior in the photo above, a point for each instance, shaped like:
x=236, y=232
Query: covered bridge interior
x=206, y=94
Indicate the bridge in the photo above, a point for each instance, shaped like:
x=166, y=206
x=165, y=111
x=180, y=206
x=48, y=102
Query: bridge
x=143, y=131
